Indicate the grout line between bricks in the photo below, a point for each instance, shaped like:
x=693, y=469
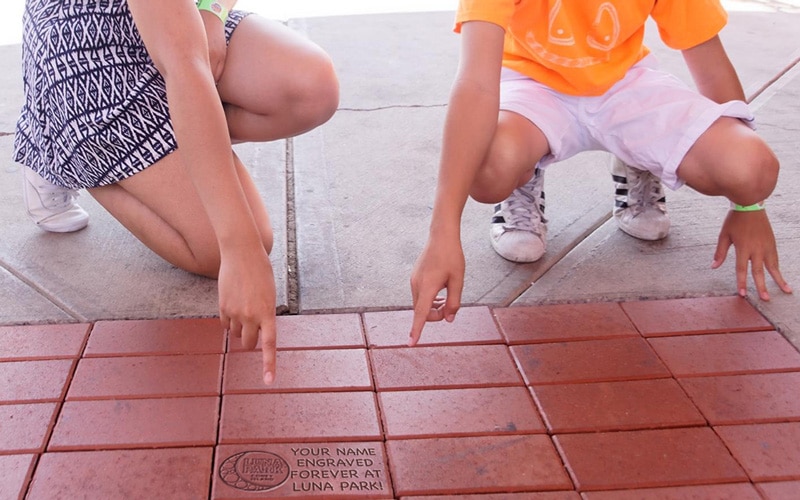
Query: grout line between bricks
x=59, y=408
x=219, y=416
x=378, y=411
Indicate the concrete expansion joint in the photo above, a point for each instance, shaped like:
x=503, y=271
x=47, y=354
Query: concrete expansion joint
x=776, y=83
x=42, y=292
x=395, y=106
x=292, y=284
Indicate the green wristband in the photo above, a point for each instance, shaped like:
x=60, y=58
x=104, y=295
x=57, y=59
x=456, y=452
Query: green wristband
x=748, y=208
x=215, y=8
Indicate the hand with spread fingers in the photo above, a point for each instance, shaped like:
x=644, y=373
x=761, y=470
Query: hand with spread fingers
x=754, y=242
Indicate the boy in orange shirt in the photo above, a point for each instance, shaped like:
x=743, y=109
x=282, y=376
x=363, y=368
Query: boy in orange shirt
x=541, y=80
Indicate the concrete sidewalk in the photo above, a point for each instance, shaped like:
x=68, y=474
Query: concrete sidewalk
x=351, y=200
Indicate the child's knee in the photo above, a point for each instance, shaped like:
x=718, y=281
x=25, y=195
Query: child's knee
x=756, y=173
x=319, y=92
x=506, y=166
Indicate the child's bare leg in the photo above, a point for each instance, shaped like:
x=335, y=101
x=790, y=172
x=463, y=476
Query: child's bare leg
x=731, y=160
x=276, y=83
x=160, y=206
x=516, y=148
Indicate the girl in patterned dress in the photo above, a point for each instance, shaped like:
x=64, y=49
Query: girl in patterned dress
x=140, y=101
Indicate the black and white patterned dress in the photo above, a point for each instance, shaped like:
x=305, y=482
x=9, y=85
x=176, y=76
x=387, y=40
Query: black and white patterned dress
x=95, y=109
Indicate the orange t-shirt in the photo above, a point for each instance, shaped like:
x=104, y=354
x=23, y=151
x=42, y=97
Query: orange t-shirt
x=583, y=47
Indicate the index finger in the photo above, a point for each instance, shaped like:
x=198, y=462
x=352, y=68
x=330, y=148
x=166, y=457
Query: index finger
x=268, y=347
x=422, y=306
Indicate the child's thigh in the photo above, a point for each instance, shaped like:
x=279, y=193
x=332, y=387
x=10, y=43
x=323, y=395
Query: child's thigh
x=553, y=132
x=165, y=190
x=268, y=64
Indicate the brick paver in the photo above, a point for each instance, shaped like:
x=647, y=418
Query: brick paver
x=686, y=398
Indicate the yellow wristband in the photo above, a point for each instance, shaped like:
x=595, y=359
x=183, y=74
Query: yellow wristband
x=215, y=8
x=748, y=208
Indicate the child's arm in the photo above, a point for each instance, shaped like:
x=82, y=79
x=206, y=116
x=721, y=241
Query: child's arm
x=469, y=127
x=712, y=71
x=215, y=34
x=749, y=232
x=176, y=40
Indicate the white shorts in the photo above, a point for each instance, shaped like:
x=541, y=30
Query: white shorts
x=649, y=119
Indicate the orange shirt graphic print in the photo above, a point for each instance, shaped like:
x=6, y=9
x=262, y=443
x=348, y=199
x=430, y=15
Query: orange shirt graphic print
x=576, y=39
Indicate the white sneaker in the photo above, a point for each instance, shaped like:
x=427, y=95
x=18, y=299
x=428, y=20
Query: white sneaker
x=640, y=207
x=52, y=207
x=518, y=230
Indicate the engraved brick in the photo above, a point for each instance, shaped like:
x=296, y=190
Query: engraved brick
x=307, y=470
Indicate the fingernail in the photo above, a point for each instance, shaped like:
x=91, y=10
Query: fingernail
x=742, y=292
x=269, y=377
x=450, y=318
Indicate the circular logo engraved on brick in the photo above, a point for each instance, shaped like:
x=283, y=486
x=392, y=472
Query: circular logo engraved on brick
x=254, y=471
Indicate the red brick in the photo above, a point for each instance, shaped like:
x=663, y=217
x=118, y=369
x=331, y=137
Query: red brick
x=19, y=343
x=314, y=331
x=782, y=490
x=727, y=354
x=306, y=371
x=16, y=474
x=323, y=331
x=745, y=399
x=459, y=412
x=735, y=491
x=24, y=428
x=607, y=406
x=158, y=336
x=135, y=423
x=542, y=495
x=645, y=459
x=443, y=367
x=553, y=323
x=485, y=464
x=308, y=470
x=177, y=473
x=588, y=361
x=296, y=417
x=34, y=381
x=700, y=315
x=146, y=377
x=768, y=452
x=473, y=325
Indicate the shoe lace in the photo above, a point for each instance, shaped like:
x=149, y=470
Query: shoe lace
x=56, y=197
x=523, y=211
x=644, y=190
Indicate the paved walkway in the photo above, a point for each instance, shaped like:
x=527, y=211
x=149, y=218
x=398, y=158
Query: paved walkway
x=613, y=368
x=687, y=398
